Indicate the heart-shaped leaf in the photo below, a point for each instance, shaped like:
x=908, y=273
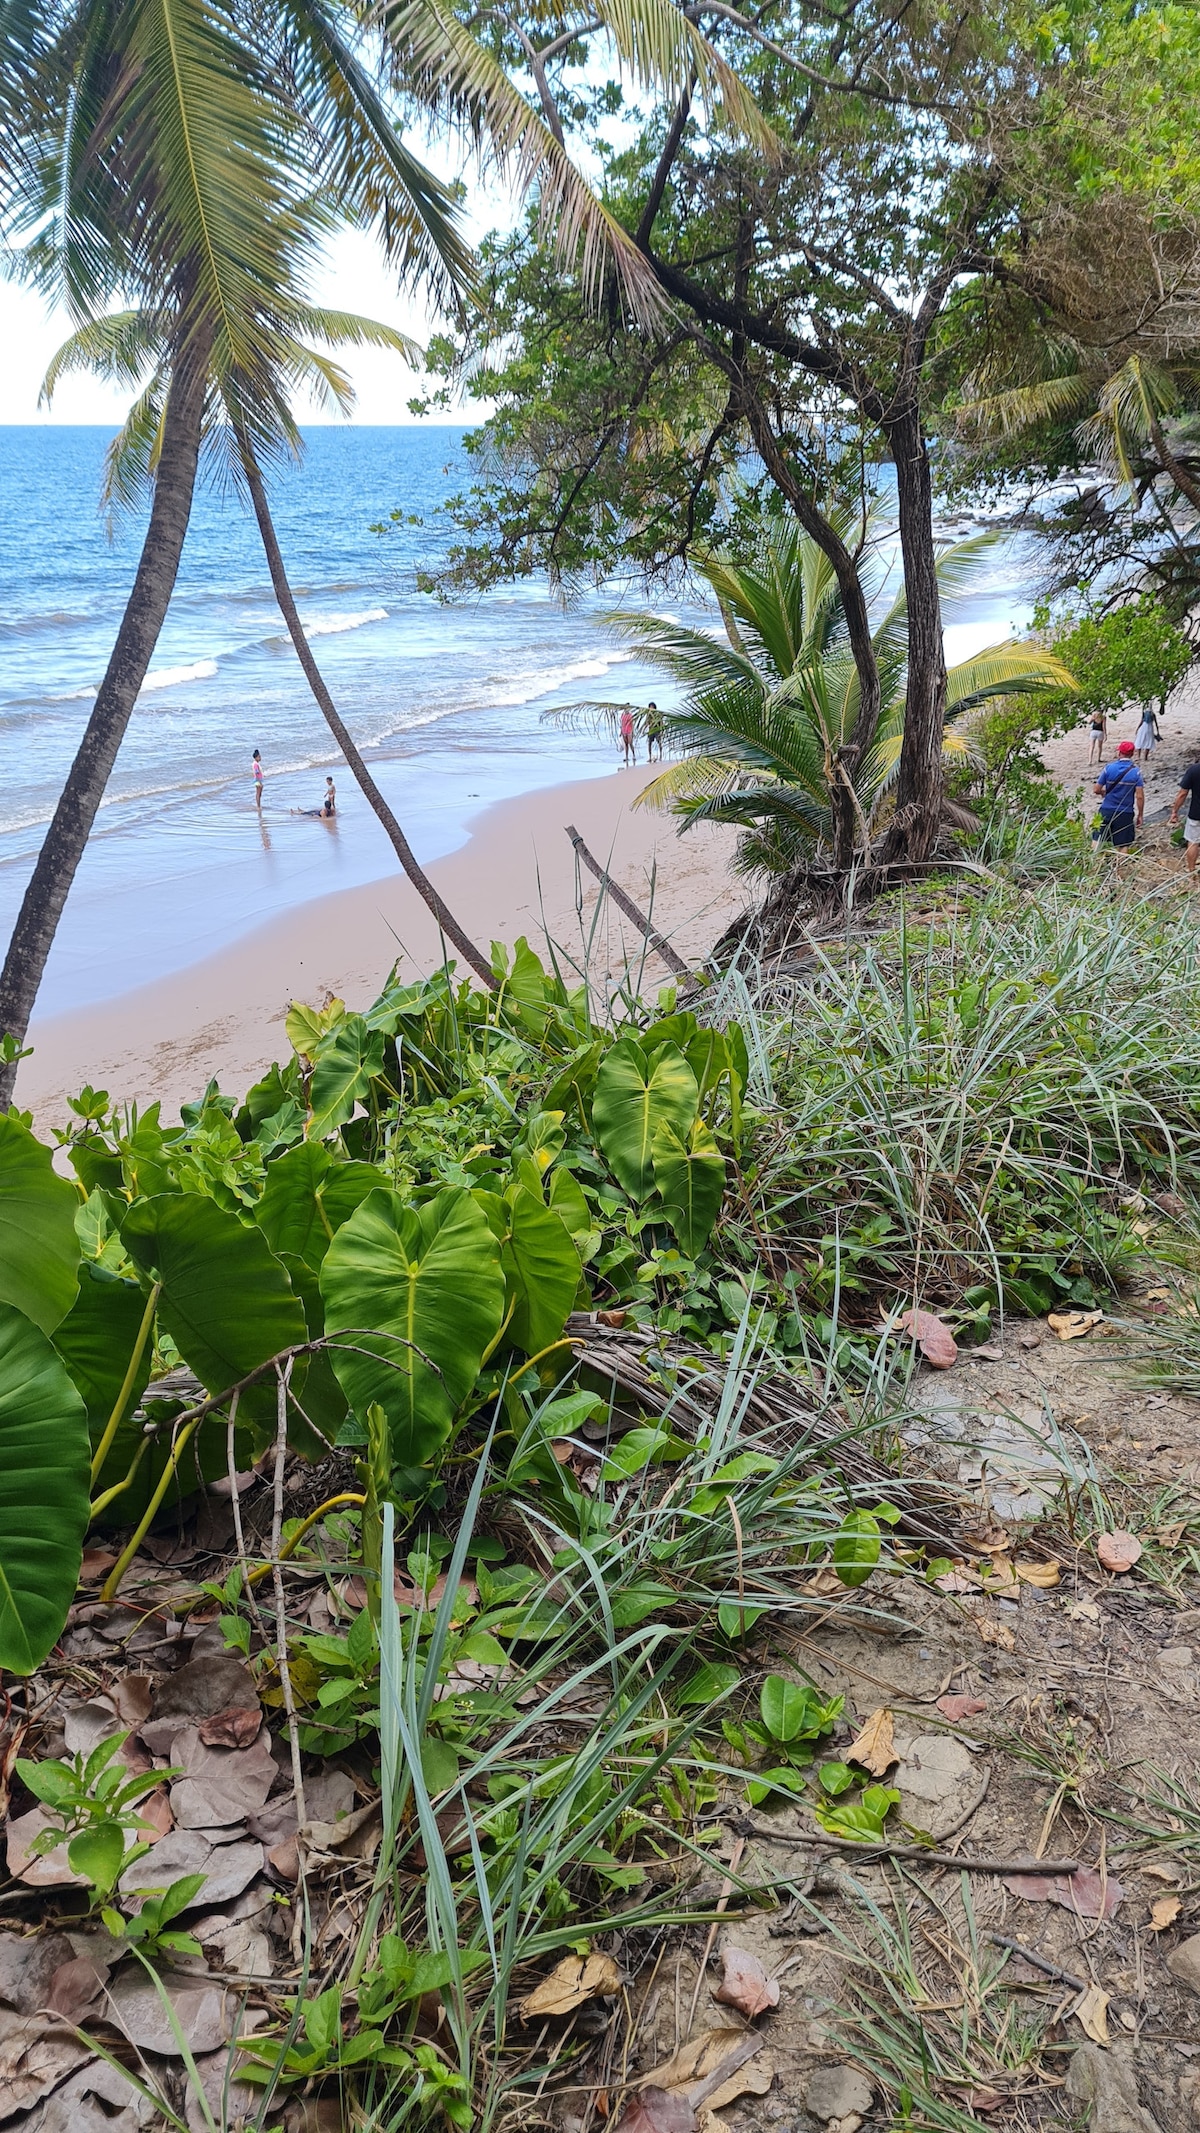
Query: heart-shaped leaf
x=39, y=1250
x=635, y=1097
x=422, y=1291
x=226, y=1301
x=44, y=1462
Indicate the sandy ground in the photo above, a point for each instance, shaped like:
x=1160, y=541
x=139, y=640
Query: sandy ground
x=224, y=1017
x=1067, y=756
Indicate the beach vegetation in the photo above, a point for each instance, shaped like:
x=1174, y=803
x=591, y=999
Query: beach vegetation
x=760, y=721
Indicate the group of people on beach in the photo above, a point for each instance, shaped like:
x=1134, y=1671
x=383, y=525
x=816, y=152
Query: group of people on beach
x=628, y=733
x=1121, y=791
x=327, y=808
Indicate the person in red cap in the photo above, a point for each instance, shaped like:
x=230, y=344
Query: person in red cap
x=1122, y=800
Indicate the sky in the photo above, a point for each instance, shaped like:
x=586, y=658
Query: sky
x=355, y=279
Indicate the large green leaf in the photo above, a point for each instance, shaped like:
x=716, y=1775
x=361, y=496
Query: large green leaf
x=322, y=1398
x=633, y=1099
x=347, y=1062
x=307, y=1197
x=690, y=1176
x=39, y=1250
x=96, y=1340
x=428, y=1276
x=543, y=1269
x=43, y=1492
x=227, y=1303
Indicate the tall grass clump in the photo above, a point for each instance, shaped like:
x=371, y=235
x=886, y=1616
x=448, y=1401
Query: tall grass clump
x=964, y=1102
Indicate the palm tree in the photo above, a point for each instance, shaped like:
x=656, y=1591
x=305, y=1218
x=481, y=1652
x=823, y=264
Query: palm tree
x=124, y=346
x=193, y=158
x=766, y=714
x=1136, y=419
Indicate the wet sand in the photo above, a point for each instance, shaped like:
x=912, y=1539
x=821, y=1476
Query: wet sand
x=223, y=1017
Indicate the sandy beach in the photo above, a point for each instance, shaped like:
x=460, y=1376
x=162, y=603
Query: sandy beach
x=223, y=1018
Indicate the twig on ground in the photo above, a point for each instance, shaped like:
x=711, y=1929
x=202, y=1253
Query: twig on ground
x=727, y=1889
x=285, y=1672
x=883, y=1850
x=1039, y=1962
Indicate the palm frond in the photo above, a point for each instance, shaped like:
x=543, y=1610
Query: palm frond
x=692, y=658
x=118, y=346
x=1027, y=407
x=698, y=777
x=1014, y=668
x=664, y=49
x=455, y=76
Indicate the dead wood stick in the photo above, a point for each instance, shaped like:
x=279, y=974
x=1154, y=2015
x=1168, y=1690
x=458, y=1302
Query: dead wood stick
x=884, y=1850
x=1039, y=1962
x=625, y=903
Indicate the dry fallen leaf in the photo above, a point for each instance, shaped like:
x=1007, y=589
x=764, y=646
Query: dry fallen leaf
x=657, y=2111
x=999, y=1579
x=957, y=1581
x=1086, y=1892
x=956, y=1708
x=1086, y=1611
x=1091, y=2012
x=1072, y=1325
x=576, y=1979
x=716, y=2067
x=235, y=1728
x=874, y=1749
x=1163, y=1913
x=825, y=1584
x=933, y=1337
x=1043, y=1575
x=1118, y=1551
x=745, y=1984
x=997, y=1633
x=1170, y=1536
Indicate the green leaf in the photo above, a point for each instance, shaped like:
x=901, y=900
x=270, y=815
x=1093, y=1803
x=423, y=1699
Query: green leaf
x=633, y=1099
x=856, y=1548
x=567, y=1200
x=44, y=1465
x=428, y=1276
x=637, y=1448
x=690, y=1177
x=39, y=1250
x=96, y=1340
x=98, y=1854
x=836, y=1777
x=863, y=1818
x=737, y=1621
x=784, y=1778
x=785, y=1707
x=708, y=1683
x=542, y=1268
x=439, y=1764
x=346, y=1062
x=227, y=1303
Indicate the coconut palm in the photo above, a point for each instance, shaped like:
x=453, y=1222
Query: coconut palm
x=766, y=713
x=1136, y=419
x=194, y=157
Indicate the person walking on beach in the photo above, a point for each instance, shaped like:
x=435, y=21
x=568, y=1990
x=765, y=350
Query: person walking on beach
x=1189, y=790
x=654, y=731
x=628, y=737
x=1099, y=730
x=258, y=780
x=1147, y=737
x=1122, y=800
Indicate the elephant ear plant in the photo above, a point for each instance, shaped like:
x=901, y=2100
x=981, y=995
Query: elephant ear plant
x=349, y=1234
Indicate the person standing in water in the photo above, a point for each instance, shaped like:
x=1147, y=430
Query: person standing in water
x=654, y=731
x=628, y=739
x=258, y=780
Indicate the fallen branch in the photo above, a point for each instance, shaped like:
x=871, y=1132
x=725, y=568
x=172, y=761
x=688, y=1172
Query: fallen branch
x=657, y=941
x=1064, y=1977
x=883, y=1850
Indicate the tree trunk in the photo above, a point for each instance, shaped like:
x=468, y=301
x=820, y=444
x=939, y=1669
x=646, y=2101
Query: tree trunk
x=141, y=624
x=913, y=829
x=316, y=682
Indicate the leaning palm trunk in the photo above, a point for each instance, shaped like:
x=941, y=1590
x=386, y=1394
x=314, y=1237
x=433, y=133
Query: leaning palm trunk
x=400, y=844
x=145, y=612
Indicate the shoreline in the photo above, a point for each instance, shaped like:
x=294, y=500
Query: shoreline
x=223, y=1017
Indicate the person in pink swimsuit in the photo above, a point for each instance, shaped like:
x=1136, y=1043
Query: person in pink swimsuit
x=258, y=780
x=628, y=737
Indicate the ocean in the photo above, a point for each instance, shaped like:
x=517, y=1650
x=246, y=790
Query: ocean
x=447, y=701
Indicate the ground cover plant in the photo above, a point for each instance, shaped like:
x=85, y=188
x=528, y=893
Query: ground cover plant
x=566, y=1338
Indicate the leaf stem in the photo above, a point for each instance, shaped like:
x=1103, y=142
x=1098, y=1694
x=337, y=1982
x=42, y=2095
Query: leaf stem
x=127, y=1383
x=109, y=1589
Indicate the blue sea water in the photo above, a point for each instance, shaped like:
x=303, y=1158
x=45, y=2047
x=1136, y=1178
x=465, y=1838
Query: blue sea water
x=446, y=701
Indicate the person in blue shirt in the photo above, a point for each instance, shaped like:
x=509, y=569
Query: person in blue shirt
x=1122, y=799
